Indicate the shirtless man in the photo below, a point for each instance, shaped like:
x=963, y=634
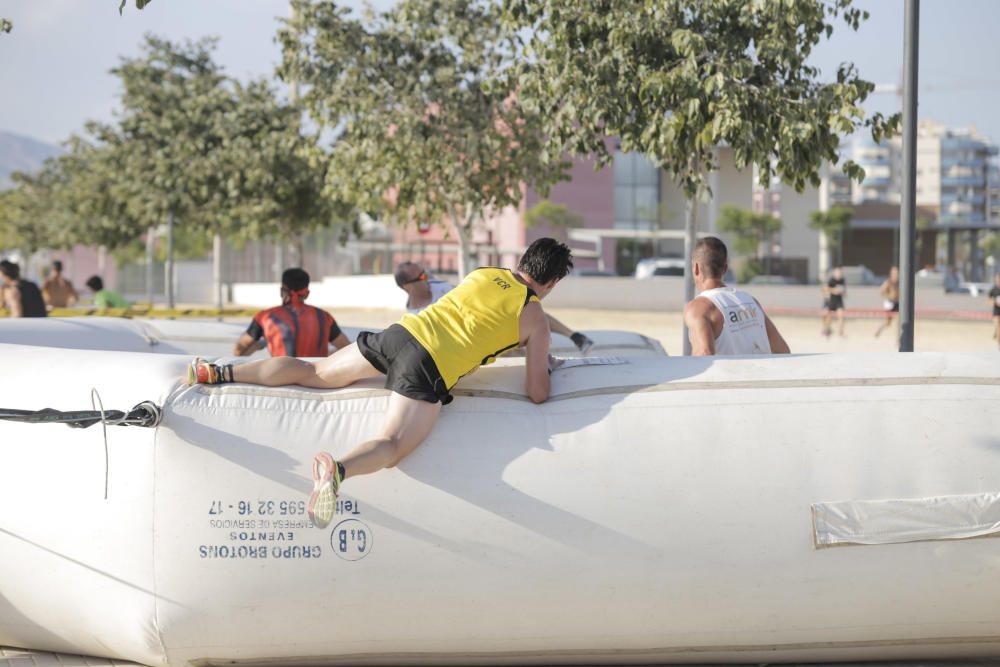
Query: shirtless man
x=890, y=299
x=723, y=320
x=422, y=356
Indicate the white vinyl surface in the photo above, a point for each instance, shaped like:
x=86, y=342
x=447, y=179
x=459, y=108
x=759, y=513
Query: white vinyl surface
x=654, y=511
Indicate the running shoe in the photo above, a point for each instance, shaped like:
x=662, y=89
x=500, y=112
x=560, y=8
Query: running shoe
x=326, y=483
x=202, y=372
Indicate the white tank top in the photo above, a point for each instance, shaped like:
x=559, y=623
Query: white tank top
x=743, y=330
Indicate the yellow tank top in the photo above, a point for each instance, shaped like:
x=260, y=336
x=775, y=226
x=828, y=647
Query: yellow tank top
x=472, y=324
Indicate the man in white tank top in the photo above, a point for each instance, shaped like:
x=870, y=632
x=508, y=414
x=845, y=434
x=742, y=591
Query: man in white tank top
x=725, y=320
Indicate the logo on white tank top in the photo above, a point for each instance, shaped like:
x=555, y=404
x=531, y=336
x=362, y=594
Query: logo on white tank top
x=743, y=330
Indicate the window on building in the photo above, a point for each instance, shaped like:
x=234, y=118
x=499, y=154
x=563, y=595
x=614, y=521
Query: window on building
x=637, y=191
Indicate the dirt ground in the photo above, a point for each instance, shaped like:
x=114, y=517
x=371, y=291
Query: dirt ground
x=803, y=334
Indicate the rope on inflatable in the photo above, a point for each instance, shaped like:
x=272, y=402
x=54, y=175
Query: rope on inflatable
x=146, y=414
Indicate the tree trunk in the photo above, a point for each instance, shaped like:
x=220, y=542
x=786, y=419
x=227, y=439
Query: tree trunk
x=690, y=235
x=169, y=266
x=463, y=230
x=217, y=270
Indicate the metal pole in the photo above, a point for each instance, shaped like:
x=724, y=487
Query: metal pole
x=907, y=222
x=217, y=270
x=169, y=267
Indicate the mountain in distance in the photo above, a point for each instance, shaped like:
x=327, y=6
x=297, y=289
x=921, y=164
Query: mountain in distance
x=19, y=153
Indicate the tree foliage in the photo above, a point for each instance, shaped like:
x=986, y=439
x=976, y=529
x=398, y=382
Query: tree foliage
x=422, y=136
x=833, y=223
x=750, y=230
x=674, y=79
x=5, y=25
x=557, y=217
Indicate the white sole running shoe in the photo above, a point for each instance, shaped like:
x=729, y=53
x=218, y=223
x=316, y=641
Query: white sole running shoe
x=326, y=483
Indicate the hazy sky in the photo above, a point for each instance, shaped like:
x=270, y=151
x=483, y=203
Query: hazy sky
x=54, y=65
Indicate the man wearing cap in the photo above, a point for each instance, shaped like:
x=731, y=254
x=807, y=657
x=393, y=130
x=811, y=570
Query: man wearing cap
x=293, y=329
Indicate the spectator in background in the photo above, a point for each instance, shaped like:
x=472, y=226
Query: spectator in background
x=21, y=298
x=834, y=290
x=105, y=298
x=292, y=329
x=890, y=299
x=57, y=291
x=995, y=300
x=422, y=291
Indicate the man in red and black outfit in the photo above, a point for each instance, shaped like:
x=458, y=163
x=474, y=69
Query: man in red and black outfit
x=292, y=329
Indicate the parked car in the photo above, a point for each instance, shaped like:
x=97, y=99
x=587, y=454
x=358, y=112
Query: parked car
x=659, y=266
x=655, y=267
x=768, y=279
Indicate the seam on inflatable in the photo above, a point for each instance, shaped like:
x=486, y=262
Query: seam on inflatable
x=451, y=658
x=156, y=578
x=619, y=389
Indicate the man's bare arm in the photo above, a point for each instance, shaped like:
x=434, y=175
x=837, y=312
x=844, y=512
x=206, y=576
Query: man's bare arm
x=774, y=338
x=534, y=330
x=14, y=301
x=341, y=341
x=700, y=332
x=246, y=346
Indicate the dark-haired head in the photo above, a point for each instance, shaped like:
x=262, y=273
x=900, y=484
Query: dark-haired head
x=57, y=266
x=95, y=283
x=546, y=260
x=711, y=255
x=10, y=270
x=295, y=279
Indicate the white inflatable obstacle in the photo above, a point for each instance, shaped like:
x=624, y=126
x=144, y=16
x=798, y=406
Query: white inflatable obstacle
x=826, y=507
x=215, y=339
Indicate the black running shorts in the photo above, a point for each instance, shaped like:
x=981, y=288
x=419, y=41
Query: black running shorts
x=409, y=369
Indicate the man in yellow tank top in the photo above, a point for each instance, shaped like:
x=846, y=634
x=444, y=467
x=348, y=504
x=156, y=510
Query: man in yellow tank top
x=422, y=356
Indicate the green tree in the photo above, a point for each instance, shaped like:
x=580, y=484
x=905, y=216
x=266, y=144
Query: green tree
x=833, y=224
x=751, y=231
x=5, y=25
x=557, y=217
x=675, y=79
x=422, y=134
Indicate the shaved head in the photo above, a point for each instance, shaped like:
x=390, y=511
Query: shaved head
x=408, y=272
x=711, y=255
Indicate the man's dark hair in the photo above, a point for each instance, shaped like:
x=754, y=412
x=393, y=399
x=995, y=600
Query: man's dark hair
x=712, y=255
x=95, y=283
x=546, y=259
x=10, y=269
x=295, y=279
x=57, y=265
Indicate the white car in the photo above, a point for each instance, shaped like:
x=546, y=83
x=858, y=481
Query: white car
x=659, y=266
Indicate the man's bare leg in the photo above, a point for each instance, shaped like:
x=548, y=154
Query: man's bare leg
x=840, y=321
x=996, y=329
x=826, y=323
x=408, y=422
x=343, y=367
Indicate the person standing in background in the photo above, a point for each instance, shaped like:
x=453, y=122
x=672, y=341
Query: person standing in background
x=57, y=291
x=890, y=299
x=21, y=298
x=834, y=291
x=995, y=300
